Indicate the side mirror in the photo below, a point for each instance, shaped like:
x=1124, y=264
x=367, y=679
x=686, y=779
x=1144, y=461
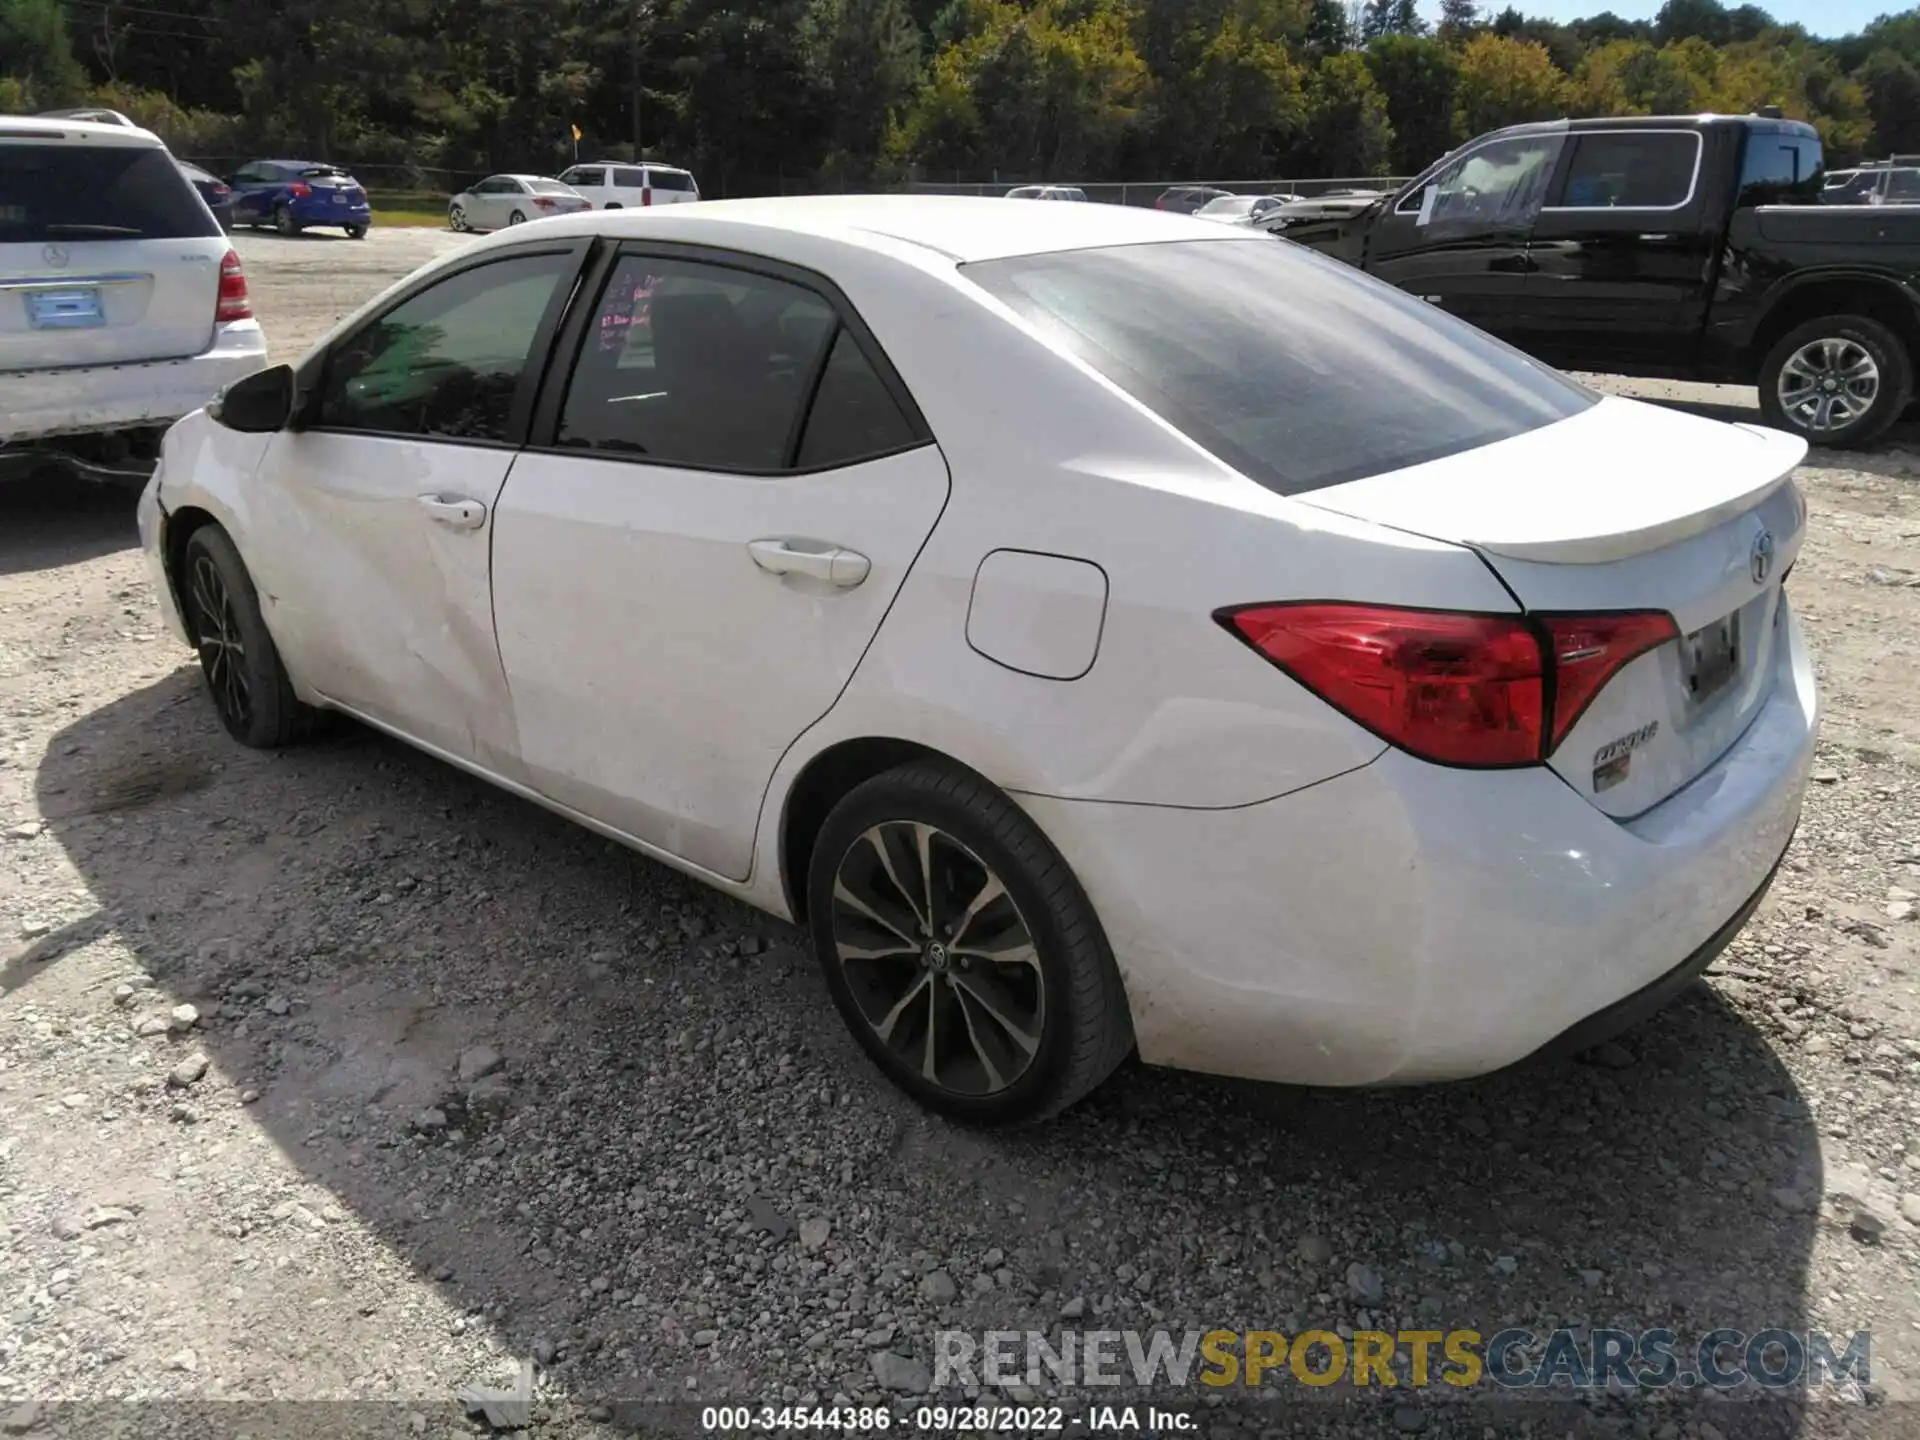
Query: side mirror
x=258, y=405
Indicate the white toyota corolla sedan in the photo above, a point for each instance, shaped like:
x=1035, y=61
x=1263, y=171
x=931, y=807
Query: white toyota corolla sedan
x=1102, y=630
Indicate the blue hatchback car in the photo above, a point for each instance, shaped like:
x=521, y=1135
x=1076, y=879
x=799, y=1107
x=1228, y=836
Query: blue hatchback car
x=296, y=195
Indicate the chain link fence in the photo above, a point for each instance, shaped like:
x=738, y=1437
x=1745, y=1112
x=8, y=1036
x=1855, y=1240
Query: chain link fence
x=1145, y=192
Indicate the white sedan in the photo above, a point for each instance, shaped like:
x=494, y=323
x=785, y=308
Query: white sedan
x=502, y=200
x=1102, y=630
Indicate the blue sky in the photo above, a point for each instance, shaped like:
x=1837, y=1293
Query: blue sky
x=1821, y=17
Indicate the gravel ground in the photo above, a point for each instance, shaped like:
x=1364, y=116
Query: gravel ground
x=334, y=1074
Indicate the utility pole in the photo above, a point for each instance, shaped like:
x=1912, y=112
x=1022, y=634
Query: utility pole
x=633, y=81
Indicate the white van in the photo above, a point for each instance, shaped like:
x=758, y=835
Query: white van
x=616, y=187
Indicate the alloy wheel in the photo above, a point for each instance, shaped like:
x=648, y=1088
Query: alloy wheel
x=223, y=654
x=938, y=958
x=1827, y=385
x=458, y=219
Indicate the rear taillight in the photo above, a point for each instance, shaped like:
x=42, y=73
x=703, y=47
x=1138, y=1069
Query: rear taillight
x=221, y=191
x=542, y=203
x=234, y=303
x=1457, y=689
x=300, y=190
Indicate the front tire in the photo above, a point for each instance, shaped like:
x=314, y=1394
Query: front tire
x=245, y=677
x=1838, y=381
x=517, y=218
x=457, y=220
x=960, y=949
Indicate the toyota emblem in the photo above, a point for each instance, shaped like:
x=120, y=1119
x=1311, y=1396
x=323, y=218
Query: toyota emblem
x=56, y=256
x=1760, y=560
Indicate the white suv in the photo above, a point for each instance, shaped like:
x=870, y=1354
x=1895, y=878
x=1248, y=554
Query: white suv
x=618, y=187
x=122, y=305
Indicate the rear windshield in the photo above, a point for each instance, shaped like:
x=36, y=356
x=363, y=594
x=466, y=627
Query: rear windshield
x=548, y=187
x=324, y=172
x=671, y=180
x=1298, y=371
x=96, y=192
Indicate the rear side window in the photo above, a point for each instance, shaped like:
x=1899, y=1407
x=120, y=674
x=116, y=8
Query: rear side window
x=1298, y=371
x=671, y=179
x=1903, y=187
x=1644, y=170
x=712, y=368
x=1781, y=170
x=96, y=192
x=630, y=179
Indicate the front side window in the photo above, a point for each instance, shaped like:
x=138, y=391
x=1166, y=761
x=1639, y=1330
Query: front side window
x=1781, y=169
x=585, y=177
x=68, y=192
x=710, y=367
x=1297, y=370
x=1628, y=170
x=1502, y=184
x=445, y=363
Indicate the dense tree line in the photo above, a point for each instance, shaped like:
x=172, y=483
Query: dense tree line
x=792, y=94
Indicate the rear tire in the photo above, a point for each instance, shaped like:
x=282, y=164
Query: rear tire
x=1030, y=1015
x=238, y=660
x=284, y=222
x=1839, y=381
x=356, y=232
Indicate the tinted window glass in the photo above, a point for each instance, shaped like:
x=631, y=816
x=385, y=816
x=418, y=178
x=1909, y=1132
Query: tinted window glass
x=671, y=180
x=547, y=187
x=1631, y=171
x=96, y=192
x=1780, y=169
x=1903, y=187
x=853, y=416
x=1504, y=183
x=585, y=177
x=446, y=362
x=630, y=179
x=698, y=365
x=1293, y=368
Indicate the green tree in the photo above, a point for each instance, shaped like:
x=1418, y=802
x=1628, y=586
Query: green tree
x=1347, y=131
x=36, y=52
x=1235, y=111
x=1892, y=86
x=865, y=56
x=1458, y=21
x=1693, y=20
x=1417, y=77
x=1328, y=30
x=1390, y=17
x=1506, y=82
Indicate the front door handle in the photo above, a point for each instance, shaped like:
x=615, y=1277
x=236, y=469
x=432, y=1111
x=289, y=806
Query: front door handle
x=455, y=510
x=831, y=563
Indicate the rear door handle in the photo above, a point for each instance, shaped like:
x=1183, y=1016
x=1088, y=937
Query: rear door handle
x=455, y=511
x=831, y=563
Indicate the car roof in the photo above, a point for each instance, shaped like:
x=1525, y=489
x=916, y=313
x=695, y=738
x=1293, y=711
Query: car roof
x=961, y=227
x=40, y=127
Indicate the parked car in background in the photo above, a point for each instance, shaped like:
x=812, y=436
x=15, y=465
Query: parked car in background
x=122, y=305
x=1046, y=192
x=215, y=191
x=610, y=186
x=1465, y=673
x=502, y=200
x=296, y=195
x=1691, y=247
x=1242, y=209
x=1185, y=199
x=1876, y=183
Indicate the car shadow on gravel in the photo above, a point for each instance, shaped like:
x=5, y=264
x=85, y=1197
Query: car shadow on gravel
x=657, y=1094
x=50, y=519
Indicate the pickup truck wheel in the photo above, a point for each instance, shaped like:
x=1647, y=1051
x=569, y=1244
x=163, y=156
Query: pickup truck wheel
x=1839, y=381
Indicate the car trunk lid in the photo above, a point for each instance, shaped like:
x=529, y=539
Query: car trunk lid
x=107, y=254
x=1628, y=507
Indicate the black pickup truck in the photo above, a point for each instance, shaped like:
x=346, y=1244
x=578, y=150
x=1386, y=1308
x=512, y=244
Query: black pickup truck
x=1683, y=249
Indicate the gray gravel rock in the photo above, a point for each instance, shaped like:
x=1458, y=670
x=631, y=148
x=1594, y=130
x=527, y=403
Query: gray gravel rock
x=183, y=1018
x=188, y=1072
x=1364, y=1283
x=1314, y=1250
x=937, y=1288
x=901, y=1374
x=478, y=1060
x=490, y=1095
x=814, y=1232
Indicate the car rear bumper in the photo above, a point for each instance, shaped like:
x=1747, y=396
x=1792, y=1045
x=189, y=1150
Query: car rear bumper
x=324, y=215
x=1405, y=922
x=37, y=405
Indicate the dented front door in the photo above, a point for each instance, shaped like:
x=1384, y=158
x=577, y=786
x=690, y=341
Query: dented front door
x=391, y=613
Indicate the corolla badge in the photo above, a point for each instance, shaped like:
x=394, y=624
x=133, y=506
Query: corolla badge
x=1760, y=558
x=56, y=256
